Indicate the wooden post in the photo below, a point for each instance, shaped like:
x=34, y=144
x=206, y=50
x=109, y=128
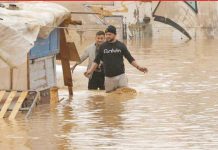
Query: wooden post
x=54, y=95
x=65, y=62
x=28, y=72
x=11, y=78
x=70, y=89
x=68, y=52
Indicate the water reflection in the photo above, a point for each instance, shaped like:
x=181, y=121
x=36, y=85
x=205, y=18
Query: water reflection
x=109, y=108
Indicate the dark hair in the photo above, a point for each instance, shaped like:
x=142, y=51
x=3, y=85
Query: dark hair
x=100, y=33
x=111, y=29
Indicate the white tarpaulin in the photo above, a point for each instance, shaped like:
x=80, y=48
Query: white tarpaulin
x=19, y=28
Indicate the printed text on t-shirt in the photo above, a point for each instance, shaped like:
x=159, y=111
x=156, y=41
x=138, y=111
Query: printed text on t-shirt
x=106, y=51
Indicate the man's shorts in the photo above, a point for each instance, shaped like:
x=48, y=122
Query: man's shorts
x=112, y=83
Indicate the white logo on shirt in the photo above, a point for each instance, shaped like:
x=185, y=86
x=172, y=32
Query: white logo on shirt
x=106, y=51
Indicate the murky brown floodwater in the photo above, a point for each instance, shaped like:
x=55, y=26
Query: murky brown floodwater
x=176, y=107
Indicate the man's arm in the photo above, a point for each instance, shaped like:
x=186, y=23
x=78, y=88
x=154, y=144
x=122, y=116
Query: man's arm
x=142, y=69
x=95, y=64
x=91, y=69
x=84, y=56
x=127, y=54
x=132, y=61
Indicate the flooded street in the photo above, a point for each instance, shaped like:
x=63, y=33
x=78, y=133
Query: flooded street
x=175, y=108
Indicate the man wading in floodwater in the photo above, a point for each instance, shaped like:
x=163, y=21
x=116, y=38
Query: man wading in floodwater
x=111, y=53
x=96, y=79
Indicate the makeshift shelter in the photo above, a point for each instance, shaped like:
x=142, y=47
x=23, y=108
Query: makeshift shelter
x=31, y=35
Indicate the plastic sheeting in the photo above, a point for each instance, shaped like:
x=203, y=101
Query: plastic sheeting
x=178, y=15
x=198, y=19
x=20, y=28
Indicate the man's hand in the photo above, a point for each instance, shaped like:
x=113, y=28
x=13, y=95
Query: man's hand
x=87, y=74
x=142, y=69
x=91, y=70
x=99, y=66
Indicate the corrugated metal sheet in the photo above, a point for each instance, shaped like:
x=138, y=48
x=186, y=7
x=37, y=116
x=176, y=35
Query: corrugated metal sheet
x=46, y=47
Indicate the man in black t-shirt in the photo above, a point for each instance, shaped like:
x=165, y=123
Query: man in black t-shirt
x=111, y=53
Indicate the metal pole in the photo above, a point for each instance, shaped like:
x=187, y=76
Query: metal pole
x=85, y=13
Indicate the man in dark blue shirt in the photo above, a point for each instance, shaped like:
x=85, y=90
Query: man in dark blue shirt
x=111, y=53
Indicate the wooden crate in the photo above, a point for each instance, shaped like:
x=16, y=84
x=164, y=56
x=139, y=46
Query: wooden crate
x=11, y=102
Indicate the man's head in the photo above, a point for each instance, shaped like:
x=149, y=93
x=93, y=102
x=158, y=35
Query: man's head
x=100, y=37
x=110, y=33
